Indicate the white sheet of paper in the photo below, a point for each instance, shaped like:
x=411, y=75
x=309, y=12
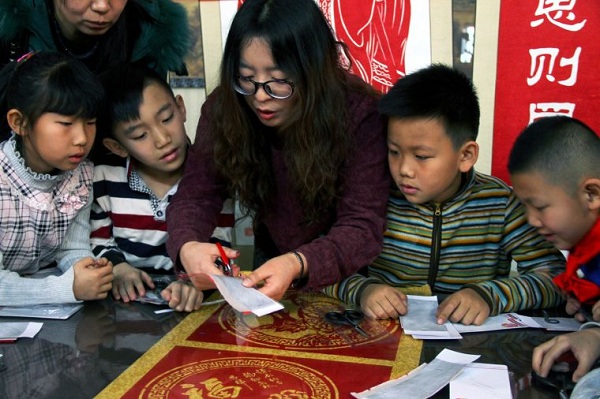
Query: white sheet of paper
x=10, y=330
x=451, y=333
x=420, y=320
x=504, y=321
x=481, y=380
x=424, y=381
x=50, y=311
x=244, y=299
x=564, y=324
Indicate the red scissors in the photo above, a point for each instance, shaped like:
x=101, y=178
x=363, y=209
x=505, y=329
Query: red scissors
x=223, y=262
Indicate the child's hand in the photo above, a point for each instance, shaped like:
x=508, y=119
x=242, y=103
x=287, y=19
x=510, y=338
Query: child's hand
x=128, y=280
x=465, y=306
x=183, y=296
x=596, y=311
x=380, y=301
x=584, y=344
x=574, y=307
x=93, y=279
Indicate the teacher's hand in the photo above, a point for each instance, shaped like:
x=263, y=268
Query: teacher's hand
x=277, y=275
x=198, y=260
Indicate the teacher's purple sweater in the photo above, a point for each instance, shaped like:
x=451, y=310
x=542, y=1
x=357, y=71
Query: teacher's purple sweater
x=344, y=241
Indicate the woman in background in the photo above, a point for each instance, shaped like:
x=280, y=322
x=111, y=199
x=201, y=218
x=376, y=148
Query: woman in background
x=99, y=33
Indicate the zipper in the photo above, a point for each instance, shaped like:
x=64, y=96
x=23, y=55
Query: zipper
x=436, y=240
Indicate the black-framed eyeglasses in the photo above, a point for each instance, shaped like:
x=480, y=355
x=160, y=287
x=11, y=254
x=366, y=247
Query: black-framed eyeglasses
x=279, y=89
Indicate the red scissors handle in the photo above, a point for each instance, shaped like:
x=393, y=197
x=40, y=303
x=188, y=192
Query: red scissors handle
x=226, y=263
x=223, y=255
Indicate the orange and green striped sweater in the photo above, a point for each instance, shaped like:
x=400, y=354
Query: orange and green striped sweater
x=468, y=241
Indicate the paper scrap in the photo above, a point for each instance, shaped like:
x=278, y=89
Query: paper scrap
x=244, y=299
x=561, y=323
x=504, y=321
x=423, y=382
x=10, y=331
x=420, y=320
x=481, y=380
x=60, y=311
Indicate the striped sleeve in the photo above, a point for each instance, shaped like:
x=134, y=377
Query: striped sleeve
x=101, y=237
x=350, y=289
x=537, y=263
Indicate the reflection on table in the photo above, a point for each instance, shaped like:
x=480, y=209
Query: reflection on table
x=81, y=356
x=78, y=357
x=513, y=348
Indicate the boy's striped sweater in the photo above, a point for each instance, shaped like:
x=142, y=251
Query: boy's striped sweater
x=129, y=222
x=468, y=241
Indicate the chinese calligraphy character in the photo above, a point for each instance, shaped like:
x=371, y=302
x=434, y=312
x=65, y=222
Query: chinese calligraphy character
x=541, y=110
x=538, y=61
x=554, y=10
x=215, y=389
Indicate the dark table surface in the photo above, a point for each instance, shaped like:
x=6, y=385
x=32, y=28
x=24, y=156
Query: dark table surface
x=78, y=357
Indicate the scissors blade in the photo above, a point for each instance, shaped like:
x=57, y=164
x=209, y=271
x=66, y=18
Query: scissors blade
x=355, y=325
x=361, y=331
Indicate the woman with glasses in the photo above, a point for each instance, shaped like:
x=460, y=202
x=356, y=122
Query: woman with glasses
x=298, y=141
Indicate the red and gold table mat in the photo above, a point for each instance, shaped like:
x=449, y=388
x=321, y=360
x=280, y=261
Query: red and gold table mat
x=295, y=353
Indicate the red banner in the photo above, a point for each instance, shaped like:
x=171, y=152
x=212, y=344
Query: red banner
x=548, y=57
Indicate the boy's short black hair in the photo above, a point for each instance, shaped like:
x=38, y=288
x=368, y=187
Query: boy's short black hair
x=437, y=91
x=564, y=150
x=124, y=86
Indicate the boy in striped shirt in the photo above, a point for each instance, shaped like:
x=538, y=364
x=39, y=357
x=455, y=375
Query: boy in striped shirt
x=449, y=226
x=143, y=125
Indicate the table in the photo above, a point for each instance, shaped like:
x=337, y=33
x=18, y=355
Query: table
x=78, y=357
x=94, y=349
x=513, y=348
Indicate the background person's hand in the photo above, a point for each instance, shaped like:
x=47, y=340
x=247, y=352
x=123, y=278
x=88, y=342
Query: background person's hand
x=380, y=301
x=465, y=306
x=574, y=307
x=596, y=311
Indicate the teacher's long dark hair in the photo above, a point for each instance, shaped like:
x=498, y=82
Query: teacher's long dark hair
x=315, y=139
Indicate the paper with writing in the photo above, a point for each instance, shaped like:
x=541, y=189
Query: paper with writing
x=420, y=321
